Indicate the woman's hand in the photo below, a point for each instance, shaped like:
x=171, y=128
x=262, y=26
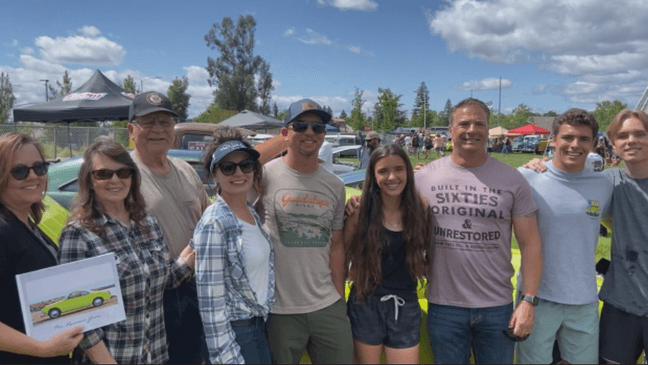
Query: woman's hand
x=62, y=343
x=189, y=255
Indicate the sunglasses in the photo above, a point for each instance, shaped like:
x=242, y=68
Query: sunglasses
x=21, y=172
x=105, y=174
x=229, y=168
x=300, y=126
x=509, y=333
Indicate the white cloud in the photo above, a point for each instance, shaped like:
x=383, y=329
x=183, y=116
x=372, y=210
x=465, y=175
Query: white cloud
x=485, y=84
x=89, y=31
x=196, y=73
x=14, y=43
x=276, y=84
x=539, y=89
x=289, y=32
x=596, y=41
x=312, y=37
x=27, y=50
x=364, y=5
x=81, y=50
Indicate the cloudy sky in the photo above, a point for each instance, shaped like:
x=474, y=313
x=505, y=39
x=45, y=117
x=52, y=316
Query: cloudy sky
x=550, y=54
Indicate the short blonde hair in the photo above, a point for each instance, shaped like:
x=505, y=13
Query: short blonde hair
x=624, y=115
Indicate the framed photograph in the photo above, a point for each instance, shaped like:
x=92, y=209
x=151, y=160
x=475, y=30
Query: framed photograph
x=58, y=298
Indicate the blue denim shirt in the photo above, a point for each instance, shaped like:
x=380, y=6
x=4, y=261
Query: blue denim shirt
x=224, y=292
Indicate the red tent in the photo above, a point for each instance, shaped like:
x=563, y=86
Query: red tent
x=529, y=129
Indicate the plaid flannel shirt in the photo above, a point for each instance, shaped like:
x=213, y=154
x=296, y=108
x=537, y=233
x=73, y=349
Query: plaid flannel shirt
x=145, y=270
x=224, y=292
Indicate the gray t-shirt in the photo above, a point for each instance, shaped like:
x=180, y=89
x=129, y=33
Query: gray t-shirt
x=626, y=283
x=177, y=200
x=570, y=206
x=472, y=211
x=301, y=212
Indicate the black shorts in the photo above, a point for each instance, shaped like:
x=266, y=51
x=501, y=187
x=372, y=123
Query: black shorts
x=622, y=336
x=373, y=322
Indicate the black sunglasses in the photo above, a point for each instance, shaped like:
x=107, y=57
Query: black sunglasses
x=105, y=174
x=21, y=172
x=300, y=126
x=509, y=333
x=229, y=168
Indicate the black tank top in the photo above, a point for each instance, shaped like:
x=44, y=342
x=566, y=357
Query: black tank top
x=395, y=276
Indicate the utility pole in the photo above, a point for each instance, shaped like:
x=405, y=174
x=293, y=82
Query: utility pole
x=46, y=93
x=499, y=108
x=424, y=113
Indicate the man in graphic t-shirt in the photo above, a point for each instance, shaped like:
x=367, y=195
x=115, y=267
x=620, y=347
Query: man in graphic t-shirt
x=304, y=218
x=476, y=200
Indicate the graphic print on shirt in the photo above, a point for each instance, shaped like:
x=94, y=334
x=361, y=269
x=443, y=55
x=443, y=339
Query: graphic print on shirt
x=594, y=209
x=303, y=218
x=474, y=207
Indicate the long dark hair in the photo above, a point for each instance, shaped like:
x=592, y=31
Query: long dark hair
x=10, y=145
x=365, y=251
x=227, y=133
x=86, y=208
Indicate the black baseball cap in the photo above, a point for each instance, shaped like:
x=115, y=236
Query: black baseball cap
x=149, y=102
x=306, y=106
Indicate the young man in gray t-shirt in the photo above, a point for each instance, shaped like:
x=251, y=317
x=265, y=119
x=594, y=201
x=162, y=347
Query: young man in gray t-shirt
x=304, y=218
x=570, y=200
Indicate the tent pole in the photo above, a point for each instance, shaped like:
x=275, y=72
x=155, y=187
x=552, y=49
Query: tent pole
x=69, y=144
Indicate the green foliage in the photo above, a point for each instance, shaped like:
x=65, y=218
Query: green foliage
x=275, y=110
x=551, y=113
x=445, y=114
x=606, y=111
x=214, y=114
x=63, y=88
x=178, y=96
x=358, y=120
x=130, y=86
x=234, y=71
x=427, y=119
x=386, y=111
x=422, y=100
x=343, y=115
x=7, y=97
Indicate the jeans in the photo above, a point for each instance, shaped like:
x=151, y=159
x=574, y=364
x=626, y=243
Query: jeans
x=184, y=329
x=454, y=330
x=253, y=342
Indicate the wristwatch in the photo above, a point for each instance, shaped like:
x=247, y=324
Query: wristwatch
x=531, y=299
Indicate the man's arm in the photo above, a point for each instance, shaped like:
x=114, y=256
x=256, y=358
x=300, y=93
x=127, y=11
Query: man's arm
x=336, y=261
x=528, y=236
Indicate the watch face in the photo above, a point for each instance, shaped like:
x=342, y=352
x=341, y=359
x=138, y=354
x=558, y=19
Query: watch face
x=532, y=299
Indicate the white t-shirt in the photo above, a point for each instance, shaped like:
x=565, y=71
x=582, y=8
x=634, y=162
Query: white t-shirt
x=326, y=155
x=256, y=250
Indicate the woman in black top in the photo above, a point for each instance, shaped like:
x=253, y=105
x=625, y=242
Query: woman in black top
x=24, y=248
x=387, y=239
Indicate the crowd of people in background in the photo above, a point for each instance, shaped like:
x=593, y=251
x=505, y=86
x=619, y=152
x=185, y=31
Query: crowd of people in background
x=259, y=274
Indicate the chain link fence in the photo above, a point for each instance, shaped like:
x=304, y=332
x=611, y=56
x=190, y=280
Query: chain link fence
x=61, y=142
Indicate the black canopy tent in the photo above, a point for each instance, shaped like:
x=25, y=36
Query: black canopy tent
x=98, y=99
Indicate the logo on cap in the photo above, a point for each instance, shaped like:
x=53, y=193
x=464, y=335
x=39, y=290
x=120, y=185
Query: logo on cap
x=155, y=99
x=308, y=105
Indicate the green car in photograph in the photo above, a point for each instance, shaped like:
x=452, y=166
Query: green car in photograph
x=76, y=300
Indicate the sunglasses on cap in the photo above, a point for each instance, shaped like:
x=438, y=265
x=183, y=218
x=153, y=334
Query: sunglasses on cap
x=300, y=126
x=229, y=168
x=105, y=174
x=21, y=172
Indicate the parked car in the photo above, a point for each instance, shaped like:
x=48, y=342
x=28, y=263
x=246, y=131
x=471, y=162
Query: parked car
x=339, y=140
x=76, y=300
x=197, y=136
x=346, y=152
x=63, y=177
x=531, y=144
x=516, y=144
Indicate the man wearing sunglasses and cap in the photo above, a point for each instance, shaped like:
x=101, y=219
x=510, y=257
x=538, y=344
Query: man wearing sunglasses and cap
x=373, y=142
x=304, y=218
x=174, y=194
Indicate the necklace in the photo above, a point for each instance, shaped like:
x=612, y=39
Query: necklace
x=392, y=225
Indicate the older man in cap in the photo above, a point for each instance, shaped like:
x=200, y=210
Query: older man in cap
x=304, y=218
x=373, y=142
x=173, y=193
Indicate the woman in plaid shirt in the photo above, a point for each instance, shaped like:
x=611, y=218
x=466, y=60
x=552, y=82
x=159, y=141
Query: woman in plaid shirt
x=234, y=256
x=109, y=215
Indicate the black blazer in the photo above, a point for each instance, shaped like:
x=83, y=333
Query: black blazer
x=20, y=252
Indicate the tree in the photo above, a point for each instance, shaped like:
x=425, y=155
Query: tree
x=387, y=112
x=522, y=115
x=130, y=86
x=551, y=113
x=329, y=110
x=234, y=71
x=275, y=110
x=357, y=120
x=445, y=114
x=422, y=100
x=7, y=97
x=343, y=115
x=214, y=114
x=606, y=111
x=178, y=96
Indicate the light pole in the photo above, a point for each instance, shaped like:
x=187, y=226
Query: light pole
x=144, y=79
x=46, y=93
